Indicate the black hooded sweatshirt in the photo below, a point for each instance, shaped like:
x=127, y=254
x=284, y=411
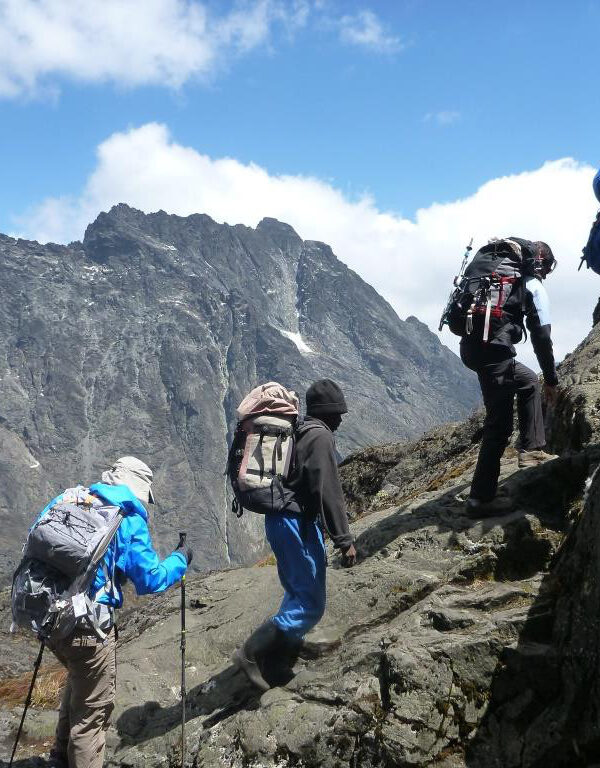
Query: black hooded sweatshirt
x=315, y=481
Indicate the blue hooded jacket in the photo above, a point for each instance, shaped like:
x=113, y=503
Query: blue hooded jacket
x=131, y=551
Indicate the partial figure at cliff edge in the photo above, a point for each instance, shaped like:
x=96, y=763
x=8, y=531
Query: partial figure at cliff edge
x=591, y=250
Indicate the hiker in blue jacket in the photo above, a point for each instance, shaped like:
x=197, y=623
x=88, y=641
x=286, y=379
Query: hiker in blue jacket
x=296, y=538
x=88, y=697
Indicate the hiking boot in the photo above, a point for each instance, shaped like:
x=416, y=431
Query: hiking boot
x=57, y=759
x=475, y=508
x=533, y=458
x=247, y=658
x=278, y=669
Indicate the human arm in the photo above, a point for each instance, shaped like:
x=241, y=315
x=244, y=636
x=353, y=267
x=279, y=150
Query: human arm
x=138, y=560
x=323, y=494
x=550, y=393
x=537, y=314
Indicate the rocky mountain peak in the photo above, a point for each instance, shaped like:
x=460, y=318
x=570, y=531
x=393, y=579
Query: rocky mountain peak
x=280, y=233
x=144, y=338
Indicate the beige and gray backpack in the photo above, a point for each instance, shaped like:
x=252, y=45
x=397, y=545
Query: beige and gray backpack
x=261, y=454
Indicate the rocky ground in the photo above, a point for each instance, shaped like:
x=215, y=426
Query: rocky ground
x=453, y=642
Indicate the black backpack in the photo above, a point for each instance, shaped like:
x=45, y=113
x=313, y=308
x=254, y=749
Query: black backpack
x=591, y=251
x=490, y=292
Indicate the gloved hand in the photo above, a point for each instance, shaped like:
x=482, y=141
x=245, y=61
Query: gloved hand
x=188, y=552
x=349, y=557
x=551, y=394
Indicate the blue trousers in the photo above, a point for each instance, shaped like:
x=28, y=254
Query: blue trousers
x=301, y=564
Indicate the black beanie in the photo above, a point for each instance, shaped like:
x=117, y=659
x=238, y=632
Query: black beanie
x=323, y=397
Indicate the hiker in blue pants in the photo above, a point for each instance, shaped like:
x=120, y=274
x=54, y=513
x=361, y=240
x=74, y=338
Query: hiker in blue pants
x=301, y=563
x=296, y=538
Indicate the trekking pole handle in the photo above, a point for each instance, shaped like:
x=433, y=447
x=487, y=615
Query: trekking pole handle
x=468, y=250
x=182, y=538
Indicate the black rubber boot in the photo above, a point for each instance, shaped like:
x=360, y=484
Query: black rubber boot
x=278, y=665
x=57, y=759
x=260, y=645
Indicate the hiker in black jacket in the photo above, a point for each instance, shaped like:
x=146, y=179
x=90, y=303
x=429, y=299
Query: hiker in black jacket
x=296, y=538
x=501, y=376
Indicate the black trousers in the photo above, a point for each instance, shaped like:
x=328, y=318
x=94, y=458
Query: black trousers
x=500, y=378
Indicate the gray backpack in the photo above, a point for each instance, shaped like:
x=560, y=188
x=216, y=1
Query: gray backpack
x=51, y=587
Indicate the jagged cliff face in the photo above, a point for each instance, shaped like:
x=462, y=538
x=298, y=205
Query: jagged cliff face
x=144, y=338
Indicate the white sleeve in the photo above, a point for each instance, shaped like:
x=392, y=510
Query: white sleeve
x=541, y=302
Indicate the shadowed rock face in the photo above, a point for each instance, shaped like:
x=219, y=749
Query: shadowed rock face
x=576, y=422
x=144, y=338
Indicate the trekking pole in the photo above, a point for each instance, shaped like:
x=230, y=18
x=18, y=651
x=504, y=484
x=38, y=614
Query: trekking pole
x=456, y=283
x=463, y=266
x=182, y=538
x=36, y=668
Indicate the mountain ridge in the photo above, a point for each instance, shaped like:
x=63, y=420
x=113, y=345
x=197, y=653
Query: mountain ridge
x=143, y=338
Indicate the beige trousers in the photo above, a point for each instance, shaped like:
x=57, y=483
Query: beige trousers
x=88, y=698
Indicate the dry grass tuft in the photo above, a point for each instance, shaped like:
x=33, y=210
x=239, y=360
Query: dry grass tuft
x=266, y=561
x=50, y=681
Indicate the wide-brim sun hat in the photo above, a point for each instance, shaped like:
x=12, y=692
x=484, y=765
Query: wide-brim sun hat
x=134, y=473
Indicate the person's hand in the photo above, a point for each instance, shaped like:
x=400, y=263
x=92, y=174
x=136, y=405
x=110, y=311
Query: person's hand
x=187, y=552
x=349, y=557
x=550, y=393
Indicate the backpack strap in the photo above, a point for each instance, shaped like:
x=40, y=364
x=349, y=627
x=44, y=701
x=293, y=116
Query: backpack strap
x=233, y=457
x=524, y=306
x=277, y=484
x=92, y=619
x=488, y=316
x=108, y=587
x=237, y=507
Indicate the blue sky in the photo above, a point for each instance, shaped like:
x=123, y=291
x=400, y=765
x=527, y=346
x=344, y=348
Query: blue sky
x=515, y=81
x=390, y=105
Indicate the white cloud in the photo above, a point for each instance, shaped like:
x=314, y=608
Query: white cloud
x=128, y=42
x=409, y=261
x=367, y=31
x=445, y=117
